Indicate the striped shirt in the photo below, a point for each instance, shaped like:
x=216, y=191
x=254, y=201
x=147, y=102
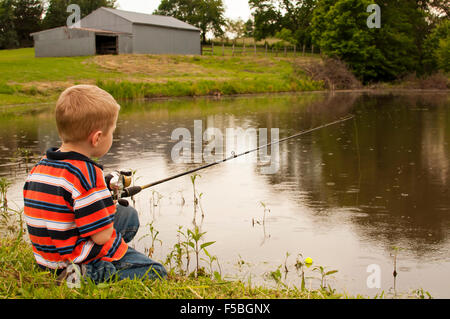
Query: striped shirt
x=66, y=201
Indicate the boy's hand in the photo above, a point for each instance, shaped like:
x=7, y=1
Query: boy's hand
x=108, y=179
x=114, y=188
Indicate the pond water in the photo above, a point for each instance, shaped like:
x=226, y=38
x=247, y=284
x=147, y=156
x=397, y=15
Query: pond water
x=345, y=195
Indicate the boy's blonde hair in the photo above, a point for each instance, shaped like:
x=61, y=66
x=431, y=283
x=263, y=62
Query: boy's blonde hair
x=81, y=109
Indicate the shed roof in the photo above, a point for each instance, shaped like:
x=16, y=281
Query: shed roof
x=151, y=19
x=97, y=31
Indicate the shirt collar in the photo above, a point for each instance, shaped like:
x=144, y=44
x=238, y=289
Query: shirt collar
x=54, y=154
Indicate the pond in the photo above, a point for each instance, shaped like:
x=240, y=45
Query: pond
x=350, y=196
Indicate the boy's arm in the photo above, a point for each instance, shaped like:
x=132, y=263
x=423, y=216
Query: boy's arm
x=94, y=211
x=103, y=236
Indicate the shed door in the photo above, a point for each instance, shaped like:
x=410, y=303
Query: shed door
x=105, y=44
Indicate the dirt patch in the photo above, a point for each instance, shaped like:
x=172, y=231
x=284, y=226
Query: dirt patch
x=152, y=65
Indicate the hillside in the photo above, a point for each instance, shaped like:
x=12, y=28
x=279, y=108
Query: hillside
x=28, y=80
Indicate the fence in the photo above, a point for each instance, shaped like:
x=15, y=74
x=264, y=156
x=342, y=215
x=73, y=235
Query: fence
x=257, y=50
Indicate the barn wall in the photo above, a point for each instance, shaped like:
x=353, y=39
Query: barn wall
x=125, y=44
x=160, y=40
x=104, y=20
x=64, y=42
x=147, y=39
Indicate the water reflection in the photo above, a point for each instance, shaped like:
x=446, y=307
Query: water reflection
x=345, y=194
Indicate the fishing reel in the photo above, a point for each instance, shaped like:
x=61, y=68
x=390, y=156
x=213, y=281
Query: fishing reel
x=117, y=182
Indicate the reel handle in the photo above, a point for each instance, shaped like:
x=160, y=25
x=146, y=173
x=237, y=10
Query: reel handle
x=131, y=191
x=123, y=202
x=128, y=192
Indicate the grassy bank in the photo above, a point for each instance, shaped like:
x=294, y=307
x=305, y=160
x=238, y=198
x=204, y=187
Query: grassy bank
x=26, y=79
x=21, y=278
x=194, y=273
x=28, y=83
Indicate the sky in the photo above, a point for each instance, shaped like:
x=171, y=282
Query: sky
x=233, y=8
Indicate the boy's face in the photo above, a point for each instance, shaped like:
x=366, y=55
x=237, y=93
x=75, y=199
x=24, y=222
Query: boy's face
x=102, y=142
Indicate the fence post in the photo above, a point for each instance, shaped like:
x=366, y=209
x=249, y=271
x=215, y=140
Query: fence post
x=212, y=47
x=312, y=48
x=304, y=47
x=266, y=48
x=233, y=50
x=243, y=49
x=255, y=48
x=285, y=51
x=223, y=49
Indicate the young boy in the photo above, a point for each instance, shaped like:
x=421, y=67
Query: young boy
x=71, y=217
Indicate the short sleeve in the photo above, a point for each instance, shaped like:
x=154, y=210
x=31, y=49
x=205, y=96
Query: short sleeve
x=94, y=209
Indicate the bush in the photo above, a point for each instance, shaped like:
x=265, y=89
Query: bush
x=437, y=49
x=334, y=74
x=438, y=81
x=443, y=54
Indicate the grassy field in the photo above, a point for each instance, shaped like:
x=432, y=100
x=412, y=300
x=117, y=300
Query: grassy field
x=27, y=80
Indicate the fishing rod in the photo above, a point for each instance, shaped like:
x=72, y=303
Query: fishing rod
x=124, y=177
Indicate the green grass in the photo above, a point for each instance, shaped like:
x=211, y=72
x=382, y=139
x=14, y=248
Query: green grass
x=225, y=76
x=28, y=80
x=21, y=278
x=20, y=66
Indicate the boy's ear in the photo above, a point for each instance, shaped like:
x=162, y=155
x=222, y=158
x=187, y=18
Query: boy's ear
x=95, y=137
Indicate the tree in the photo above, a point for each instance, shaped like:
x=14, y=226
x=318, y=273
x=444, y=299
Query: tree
x=286, y=36
x=437, y=48
x=266, y=17
x=249, y=28
x=340, y=29
x=56, y=13
x=236, y=28
x=19, y=18
x=207, y=15
x=8, y=35
x=438, y=7
x=27, y=19
x=272, y=16
x=299, y=21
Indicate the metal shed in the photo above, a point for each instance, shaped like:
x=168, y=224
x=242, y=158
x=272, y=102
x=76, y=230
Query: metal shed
x=112, y=31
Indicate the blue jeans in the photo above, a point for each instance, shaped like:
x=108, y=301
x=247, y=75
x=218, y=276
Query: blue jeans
x=133, y=264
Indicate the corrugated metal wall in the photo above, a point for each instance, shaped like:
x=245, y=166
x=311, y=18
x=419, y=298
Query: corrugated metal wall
x=125, y=44
x=64, y=42
x=158, y=40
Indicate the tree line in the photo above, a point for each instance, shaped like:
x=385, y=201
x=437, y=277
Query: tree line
x=413, y=35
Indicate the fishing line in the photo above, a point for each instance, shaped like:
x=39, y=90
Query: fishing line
x=133, y=190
